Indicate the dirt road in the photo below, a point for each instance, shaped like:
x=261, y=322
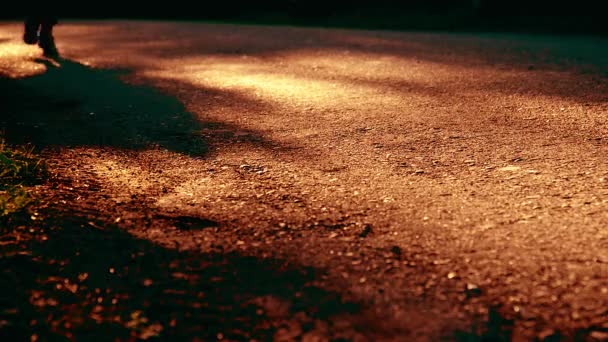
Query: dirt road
x=238, y=182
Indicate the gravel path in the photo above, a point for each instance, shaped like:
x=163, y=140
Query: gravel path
x=335, y=183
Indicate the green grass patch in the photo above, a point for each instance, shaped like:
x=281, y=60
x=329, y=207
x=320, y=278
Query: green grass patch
x=19, y=168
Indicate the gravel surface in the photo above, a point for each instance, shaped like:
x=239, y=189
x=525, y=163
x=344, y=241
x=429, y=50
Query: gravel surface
x=334, y=184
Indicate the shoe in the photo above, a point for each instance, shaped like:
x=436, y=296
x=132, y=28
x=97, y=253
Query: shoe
x=31, y=33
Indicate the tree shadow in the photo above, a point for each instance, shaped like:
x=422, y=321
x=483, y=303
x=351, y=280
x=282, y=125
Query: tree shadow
x=84, y=281
x=74, y=105
x=71, y=104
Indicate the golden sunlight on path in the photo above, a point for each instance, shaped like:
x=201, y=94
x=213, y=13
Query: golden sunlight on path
x=430, y=177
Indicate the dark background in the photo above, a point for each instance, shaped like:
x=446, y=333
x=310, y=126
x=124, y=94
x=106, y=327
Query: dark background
x=582, y=16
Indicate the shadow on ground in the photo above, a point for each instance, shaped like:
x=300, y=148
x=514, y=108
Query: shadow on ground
x=71, y=105
x=85, y=282
x=74, y=105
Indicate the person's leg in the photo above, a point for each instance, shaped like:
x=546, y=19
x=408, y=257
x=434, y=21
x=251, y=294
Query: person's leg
x=46, y=39
x=32, y=25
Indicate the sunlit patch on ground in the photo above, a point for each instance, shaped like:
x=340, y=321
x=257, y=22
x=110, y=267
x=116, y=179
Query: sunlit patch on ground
x=313, y=79
x=259, y=82
x=18, y=59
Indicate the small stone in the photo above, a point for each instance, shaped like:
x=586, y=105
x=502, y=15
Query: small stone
x=451, y=275
x=472, y=290
x=487, y=226
x=367, y=229
x=441, y=262
x=509, y=168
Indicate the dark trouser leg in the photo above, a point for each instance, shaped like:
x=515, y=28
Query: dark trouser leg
x=46, y=40
x=30, y=35
x=39, y=29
